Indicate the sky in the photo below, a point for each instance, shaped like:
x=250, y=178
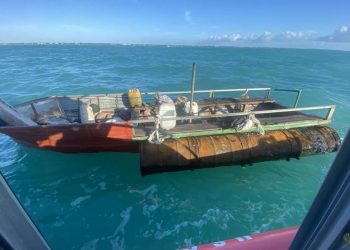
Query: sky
x=282, y=23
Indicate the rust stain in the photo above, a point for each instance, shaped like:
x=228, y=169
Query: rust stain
x=51, y=140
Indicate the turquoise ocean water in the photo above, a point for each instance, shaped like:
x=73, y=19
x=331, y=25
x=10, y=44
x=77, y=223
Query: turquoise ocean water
x=100, y=201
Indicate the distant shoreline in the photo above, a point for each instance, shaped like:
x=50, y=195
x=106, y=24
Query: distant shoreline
x=165, y=45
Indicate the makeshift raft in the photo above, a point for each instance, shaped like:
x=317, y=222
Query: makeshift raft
x=175, y=130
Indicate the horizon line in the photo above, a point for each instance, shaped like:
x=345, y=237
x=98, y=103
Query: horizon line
x=165, y=45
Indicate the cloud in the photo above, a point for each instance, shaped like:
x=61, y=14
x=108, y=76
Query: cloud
x=188, y=16
x=298, y=34
x=286, y=36
x=265, y=37
x=227, y=37
x=341, y=35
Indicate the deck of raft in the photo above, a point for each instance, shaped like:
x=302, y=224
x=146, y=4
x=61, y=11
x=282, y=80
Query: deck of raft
x=278, y=120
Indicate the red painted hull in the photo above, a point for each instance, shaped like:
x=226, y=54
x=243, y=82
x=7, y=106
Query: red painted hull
x=77, y=138
x=272, y=240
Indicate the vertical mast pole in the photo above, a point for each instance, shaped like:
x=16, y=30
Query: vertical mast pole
x=192, y=85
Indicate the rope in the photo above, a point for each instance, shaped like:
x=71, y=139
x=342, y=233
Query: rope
x=154, y=137
x=245, y=94
x=257, y=124
x=248, y=123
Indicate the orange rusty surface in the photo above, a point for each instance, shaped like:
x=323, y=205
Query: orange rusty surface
x=209, y=151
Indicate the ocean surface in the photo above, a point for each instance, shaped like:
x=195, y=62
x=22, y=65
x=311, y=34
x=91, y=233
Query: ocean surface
x=100, y=201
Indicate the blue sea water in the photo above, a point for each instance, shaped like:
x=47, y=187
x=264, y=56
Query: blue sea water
x=100, y=201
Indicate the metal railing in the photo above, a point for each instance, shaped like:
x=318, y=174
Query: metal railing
x=210, y=92
x=243, y=90
x=292, y=90
x=328, y=117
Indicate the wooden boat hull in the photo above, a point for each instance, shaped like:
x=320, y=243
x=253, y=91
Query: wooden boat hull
x=77, y=138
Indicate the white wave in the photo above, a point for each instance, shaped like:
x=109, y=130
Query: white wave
x=87, y=189
x=102, y=185
x=117, y=239
x=150, y=190
x=79, y=200
x=215, y=216
x=58, y=223
x=147, y=210
x=91, y=245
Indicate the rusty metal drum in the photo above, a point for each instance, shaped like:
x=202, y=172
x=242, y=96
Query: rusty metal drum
x=236, y=149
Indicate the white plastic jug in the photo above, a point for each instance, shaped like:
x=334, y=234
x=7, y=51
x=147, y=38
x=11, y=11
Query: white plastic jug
x=167, y=110
x=194, y=108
